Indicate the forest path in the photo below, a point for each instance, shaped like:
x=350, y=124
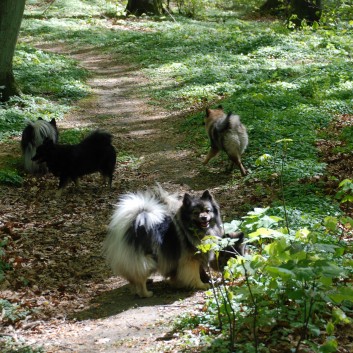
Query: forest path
x=61, y=273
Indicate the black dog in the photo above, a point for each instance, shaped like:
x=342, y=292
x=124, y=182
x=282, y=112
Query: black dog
x=69, y=162
x=234, y=248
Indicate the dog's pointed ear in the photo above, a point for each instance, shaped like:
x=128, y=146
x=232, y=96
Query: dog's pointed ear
x=206, y=196
x=48, y=142
x=187, y=200
x=208, y=112
x=53, y=122
x=236, y=235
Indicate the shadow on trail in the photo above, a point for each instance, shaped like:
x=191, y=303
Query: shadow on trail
x=119, y=300
x=209, y=179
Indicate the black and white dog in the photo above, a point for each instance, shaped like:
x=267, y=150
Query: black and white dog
x=33, y=135
x=155, y=231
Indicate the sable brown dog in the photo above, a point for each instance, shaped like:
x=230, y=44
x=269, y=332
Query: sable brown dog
x=226, y=133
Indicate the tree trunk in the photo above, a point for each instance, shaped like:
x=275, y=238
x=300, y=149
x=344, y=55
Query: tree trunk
x=149, y=7
x=309, y=10
x=11, y=12
x=273, y=7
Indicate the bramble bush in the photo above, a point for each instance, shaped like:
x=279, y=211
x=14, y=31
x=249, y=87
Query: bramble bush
x=291, y=286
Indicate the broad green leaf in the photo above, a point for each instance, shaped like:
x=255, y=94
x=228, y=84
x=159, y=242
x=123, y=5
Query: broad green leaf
x=315, y=26
x=326, y=248
x=304, y=273
x=340, y=317
x=348, y=262
x=233, y=226
x=347, y=198
x=340, y=294
x=264, y=159
x=277, y=248
x=279, y=272
x=330, y=346
x=331, y=223
x=345, y=182
x=302, y=234
x=314, y=330
x=265, y=233
x=347, y=222
x=330, y=328
x=326, y=281
x=257, y=211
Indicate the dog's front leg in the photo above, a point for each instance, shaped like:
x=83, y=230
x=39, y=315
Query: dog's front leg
x=188, y=275
x=62, y=184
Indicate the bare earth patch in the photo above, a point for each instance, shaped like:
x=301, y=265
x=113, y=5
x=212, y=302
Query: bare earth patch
x=54, y=243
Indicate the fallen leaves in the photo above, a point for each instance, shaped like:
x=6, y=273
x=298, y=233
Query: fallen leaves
x=53, y=247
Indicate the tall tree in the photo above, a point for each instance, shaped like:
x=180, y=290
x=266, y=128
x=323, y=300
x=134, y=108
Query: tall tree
x=139, y=7
x=309, y=10
x=295, y=10
x=11, y=13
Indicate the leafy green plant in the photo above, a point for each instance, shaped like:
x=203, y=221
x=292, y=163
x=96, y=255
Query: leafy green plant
x=345, y=193
x=10, y=177
x=9, y=345
x=66, y=77
x=41, y=97
x=190, y=8
x=289, y=279
x=3, y=264
x=12, y=313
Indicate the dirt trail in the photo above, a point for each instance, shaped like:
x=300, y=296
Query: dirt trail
x=120, y=322
x=58, y=266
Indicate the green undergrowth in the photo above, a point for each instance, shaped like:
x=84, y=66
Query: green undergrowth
x=50, y=85
x=9, y=345
x=291, y=291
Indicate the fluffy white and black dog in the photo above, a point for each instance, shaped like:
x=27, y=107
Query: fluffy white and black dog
x=33, y=135
x=155, y=231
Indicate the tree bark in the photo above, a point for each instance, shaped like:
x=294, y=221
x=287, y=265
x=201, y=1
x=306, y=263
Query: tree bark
x=273, y=7
x=139, y=7
x=11, y=13
x=309, y=10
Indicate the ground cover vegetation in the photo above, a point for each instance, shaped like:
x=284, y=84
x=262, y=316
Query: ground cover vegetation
x=293, y=91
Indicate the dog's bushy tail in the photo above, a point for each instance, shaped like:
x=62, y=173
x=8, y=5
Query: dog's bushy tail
x=136, y=216
x=224, y=124
x=97, y=138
